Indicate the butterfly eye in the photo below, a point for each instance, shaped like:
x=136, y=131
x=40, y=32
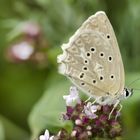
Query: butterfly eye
x=127, y=92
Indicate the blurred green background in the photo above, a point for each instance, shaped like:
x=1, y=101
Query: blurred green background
x=31, y=33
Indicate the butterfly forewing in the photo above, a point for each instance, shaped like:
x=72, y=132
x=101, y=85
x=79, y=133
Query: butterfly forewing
x=92, y=58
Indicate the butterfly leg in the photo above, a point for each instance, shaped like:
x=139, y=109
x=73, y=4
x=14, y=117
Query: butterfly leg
x=118, y=112
x=115, y=105
x=97, y=100
x=88, y=99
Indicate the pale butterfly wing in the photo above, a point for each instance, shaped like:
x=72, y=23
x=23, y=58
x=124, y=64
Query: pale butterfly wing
x=92, y=60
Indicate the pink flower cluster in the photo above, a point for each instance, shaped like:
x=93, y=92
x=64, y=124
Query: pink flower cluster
x=90, y=120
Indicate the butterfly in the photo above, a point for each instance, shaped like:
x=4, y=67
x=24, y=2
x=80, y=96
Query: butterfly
x=92, y=61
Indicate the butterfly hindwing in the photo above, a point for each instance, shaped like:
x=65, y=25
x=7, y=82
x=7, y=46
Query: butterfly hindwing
x=92, y=59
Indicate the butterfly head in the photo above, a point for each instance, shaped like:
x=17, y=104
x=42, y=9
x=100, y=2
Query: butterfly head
x=127, y=93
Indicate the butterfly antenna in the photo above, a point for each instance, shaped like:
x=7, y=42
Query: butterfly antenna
x=133, y=82
x=136, y=89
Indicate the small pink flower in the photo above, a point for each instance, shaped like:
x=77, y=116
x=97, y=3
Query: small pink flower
x=30, y=28
x=90, y=110
x=46, y=136
x=73, y=98
x=22, y=50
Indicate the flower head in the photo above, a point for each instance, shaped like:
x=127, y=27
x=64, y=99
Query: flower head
x=90, y=121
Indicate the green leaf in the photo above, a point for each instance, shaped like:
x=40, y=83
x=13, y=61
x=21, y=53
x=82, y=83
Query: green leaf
x=134, y=135
x=10, y=131
x=21, y=86
x=46, y=114
x=2, y=134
